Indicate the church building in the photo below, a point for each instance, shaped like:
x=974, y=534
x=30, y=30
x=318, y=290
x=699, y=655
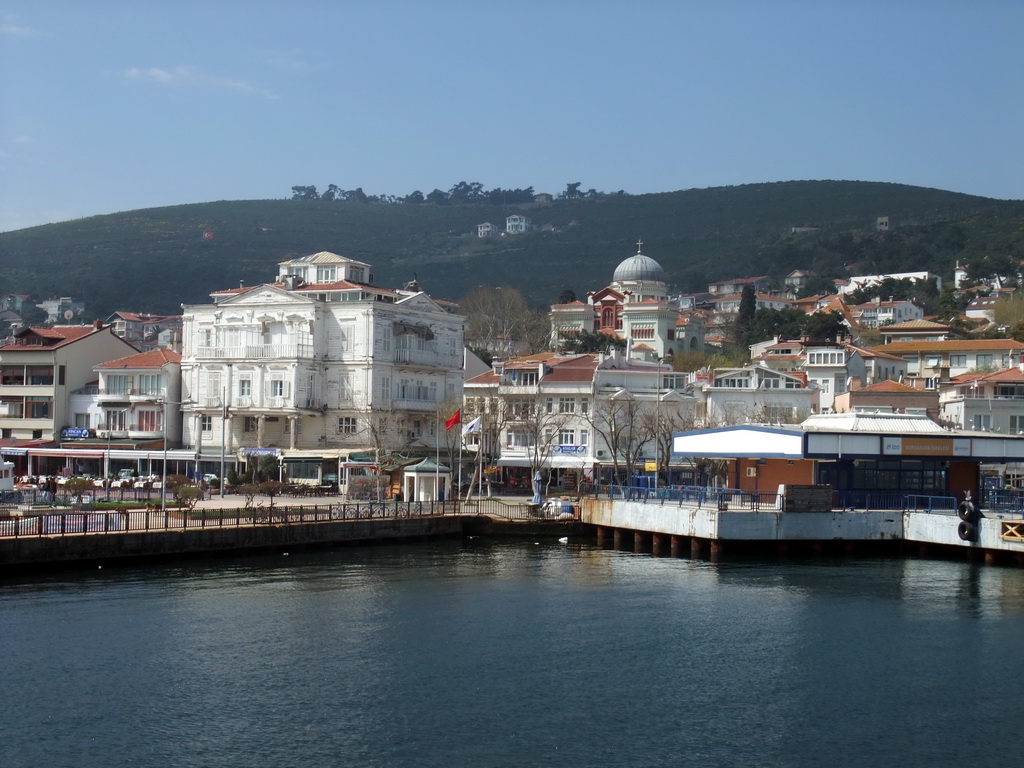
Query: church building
x=636, y=308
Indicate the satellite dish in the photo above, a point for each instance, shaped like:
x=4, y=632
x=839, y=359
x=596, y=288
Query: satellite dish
x=68, y=314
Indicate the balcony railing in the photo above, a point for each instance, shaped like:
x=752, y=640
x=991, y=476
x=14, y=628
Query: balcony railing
x=256, y=351
x=427, y=357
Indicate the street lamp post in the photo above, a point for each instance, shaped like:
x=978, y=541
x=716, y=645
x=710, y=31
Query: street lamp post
x=163, y=482
x=223, y=426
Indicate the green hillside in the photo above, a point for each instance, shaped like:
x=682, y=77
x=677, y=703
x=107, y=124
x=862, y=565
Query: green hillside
x=157, y=259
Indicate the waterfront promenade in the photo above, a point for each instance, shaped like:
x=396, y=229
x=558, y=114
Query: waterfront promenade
x=666, y=521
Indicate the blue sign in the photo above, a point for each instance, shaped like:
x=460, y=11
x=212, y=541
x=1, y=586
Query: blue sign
x=570, y=449
x=70, y=432
x=260, y=451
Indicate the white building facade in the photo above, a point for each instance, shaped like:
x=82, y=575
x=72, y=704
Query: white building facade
x=320, y=369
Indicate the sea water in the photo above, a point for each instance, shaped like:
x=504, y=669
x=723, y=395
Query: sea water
x=484, y=653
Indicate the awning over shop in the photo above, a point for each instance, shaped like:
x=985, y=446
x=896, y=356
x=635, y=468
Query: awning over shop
x=740, y=442
x=550, y=462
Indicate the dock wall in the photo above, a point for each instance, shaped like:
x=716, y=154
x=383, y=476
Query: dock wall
x=36, y=550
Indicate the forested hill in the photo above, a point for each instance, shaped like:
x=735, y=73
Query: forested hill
x=155, y=259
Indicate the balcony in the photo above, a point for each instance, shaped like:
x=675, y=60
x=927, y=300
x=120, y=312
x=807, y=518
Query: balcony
x=427, y=358
x=129, y=395
x=284, y=350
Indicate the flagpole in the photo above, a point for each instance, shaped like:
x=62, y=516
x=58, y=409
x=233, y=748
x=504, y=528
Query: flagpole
x=437, y=456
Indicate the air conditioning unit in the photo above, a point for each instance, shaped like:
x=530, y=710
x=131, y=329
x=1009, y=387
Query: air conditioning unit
x=751, y=471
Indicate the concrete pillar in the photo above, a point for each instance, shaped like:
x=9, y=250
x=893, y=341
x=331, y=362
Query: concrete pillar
x=924, y=549
x=782, y=548
x=717, y=547
x=639, y=541
x=991, y=557
x=850, y=548
x=617, y=539
x=697, y=548
x=602, y=536
x=817, y=548
x=658, y=545
x=676, y=546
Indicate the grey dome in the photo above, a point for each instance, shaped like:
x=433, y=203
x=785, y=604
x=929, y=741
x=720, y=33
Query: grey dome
x=639, y=267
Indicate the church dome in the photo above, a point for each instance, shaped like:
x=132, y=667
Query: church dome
x=639, y=267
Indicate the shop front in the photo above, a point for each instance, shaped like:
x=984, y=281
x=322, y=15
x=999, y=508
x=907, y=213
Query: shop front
x=886, y=457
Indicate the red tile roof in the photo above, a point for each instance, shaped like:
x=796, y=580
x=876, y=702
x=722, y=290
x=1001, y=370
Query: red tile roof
x=155, y=358
x=952, y=345
x=60, y=335
x=892, y=387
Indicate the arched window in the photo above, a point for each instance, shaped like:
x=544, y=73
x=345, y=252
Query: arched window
x=608, y=318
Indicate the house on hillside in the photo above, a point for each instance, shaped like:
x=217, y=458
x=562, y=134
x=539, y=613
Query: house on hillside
x=795, y=281
x=877, y=313
x=916, y=330
x=851, y=284
x=141, y=329
x=486, y=230
x=729, y=304
x=930, y=363
x=517, y=224
x=737, y=284
x=983, y=308
x=64, y=308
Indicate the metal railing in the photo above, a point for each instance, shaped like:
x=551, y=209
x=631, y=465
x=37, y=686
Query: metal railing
x=733, y=499
x=723, y=499
x=76, y=521
x=553, y=509
x=914, y=502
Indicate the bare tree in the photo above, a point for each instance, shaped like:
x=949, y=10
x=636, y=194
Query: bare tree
x=621, y=423
x=662, y=421
x=500, y=321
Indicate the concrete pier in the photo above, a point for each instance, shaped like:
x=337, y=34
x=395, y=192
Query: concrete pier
x=711, y=530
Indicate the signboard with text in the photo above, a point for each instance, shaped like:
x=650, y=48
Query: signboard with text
x=940, y=447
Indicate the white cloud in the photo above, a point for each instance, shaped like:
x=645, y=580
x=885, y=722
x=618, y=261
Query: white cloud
x=13, y=30
x=192, y=77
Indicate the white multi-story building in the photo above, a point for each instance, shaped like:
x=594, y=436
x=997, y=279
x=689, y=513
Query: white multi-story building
x=877, y=313
x=831, y=366
x=931, y=362
x=320, y=369
x=991, y=402
x=133, y=397
x=576, y=417
x=754, y=393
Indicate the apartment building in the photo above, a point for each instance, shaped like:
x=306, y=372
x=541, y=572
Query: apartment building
x=40, y=369
x=320, y=369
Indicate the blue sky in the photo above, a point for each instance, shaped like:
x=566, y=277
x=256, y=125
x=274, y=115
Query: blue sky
x=111, y=106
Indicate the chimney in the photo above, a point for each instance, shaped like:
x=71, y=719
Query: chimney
x=97, y=325
x=855, y=383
